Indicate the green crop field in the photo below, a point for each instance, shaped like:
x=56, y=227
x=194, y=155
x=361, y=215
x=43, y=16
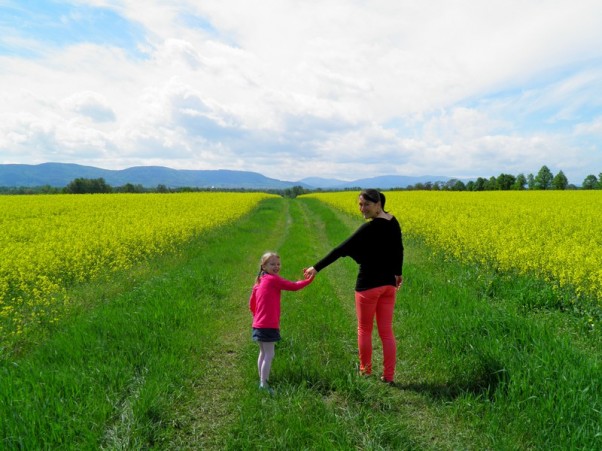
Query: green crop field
x=158, y=355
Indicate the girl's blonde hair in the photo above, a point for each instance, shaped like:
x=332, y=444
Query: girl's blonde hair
x=264, y=259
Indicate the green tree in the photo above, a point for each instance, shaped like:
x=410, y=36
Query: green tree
x=520, y=182
x=543, y=179
x=560, y=181
x=590, y=182
x=459, y=185
x=505, y=181
x=131, y=188
x=87, y=186
x=479, y=184
x=531, y=181
x=449, y=185
x=491, y=184
x=295, y=191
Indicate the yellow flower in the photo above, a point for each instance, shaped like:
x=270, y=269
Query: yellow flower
x=48, y=243
x=555, y=235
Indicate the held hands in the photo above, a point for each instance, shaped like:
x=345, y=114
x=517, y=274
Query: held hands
x=398, y=281
x=309, y=273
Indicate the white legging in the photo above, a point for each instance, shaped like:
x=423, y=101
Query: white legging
x=264, y=362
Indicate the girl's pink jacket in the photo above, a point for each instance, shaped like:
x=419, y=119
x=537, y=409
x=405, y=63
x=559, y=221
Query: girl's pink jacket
x=265, y=299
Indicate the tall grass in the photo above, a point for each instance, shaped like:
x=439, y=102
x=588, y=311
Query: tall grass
x=115, y=374
x=162, y=357
x=523, y=379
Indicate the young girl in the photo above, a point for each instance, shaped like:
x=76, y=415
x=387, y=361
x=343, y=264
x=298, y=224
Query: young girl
x=265, y=306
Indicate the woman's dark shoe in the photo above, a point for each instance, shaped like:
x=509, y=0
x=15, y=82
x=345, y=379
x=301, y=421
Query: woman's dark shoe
x=388, y=382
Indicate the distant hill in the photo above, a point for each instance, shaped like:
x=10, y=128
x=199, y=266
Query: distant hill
x=389, y=181
x=319, y=182
x=61, y=174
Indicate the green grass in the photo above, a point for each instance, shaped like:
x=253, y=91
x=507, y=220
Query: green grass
x=161, y=357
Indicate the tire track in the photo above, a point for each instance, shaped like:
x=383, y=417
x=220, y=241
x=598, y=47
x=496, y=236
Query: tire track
x=204, y=420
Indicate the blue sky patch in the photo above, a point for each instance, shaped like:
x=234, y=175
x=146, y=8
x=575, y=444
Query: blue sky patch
x=62, y=24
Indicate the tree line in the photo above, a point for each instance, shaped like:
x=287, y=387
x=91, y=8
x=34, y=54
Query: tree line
x=544, y=180
x=100, y=186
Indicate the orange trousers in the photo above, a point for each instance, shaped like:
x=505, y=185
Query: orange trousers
x=377, y=302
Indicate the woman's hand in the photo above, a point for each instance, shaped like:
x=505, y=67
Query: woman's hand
x=310, y=272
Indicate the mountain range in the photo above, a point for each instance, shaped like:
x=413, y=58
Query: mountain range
x=61, y=174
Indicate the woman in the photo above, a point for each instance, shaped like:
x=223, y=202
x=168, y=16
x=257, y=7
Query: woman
x=378, y=249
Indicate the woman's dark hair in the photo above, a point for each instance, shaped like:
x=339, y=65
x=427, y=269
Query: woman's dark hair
x=374, y=196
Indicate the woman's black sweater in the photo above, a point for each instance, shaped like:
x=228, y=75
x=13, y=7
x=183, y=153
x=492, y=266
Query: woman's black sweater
x=377, y=247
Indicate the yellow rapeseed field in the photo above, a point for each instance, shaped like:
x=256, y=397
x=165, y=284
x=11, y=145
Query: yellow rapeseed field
x=48, y=243
x=555, y=235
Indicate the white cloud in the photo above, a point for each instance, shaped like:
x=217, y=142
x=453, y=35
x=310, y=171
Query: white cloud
x=593, y=128
x=317, y=88
x=90, y=104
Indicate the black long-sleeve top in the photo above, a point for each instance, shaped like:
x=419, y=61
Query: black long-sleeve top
x=377, y=247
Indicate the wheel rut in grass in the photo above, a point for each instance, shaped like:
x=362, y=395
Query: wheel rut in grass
x=204, y=419
x=414, y=407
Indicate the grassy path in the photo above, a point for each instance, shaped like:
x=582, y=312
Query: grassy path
x=473, y=371
x=321, y=403
x=429, y=426
x=161, y=357
x=206, y=416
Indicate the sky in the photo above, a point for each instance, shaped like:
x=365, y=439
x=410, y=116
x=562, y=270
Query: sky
x=344, y=89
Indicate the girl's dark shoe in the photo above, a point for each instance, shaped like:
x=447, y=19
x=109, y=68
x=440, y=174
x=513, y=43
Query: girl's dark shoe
x=265, y=387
